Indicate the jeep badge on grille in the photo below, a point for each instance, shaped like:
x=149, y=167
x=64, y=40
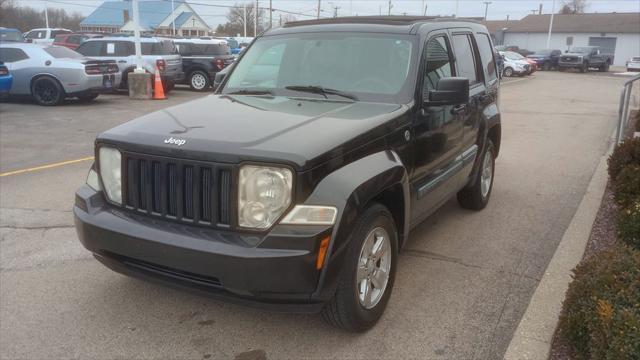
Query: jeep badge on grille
x=178, y=142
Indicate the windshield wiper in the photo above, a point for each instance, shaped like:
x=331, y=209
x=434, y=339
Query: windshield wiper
x=251, y=92
x=322, y=91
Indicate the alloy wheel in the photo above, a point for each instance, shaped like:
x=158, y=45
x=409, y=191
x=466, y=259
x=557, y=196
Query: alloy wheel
x=374, y=266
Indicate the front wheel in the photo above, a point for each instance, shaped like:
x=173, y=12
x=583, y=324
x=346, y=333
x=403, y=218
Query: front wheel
x=584, y=68
x=476, y=196
x=47, y=91
x=368, y=273
x=199, y=81
x=508, y=72
x=604, y=67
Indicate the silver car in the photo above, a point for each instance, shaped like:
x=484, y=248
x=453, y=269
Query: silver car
x=52, y=73
x=157, y=54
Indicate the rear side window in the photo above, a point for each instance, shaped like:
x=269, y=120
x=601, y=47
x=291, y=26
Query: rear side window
x=159, y=48
x=437, y=62
x=10, y=55
x=55, y=33
x=10, y=36
x=60, y=52
x=39, y=34
x=91, y=48
x=465, y=58
x=486, y=54
x=183, y=49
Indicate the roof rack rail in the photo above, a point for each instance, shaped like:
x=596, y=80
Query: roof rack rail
x=380, y=20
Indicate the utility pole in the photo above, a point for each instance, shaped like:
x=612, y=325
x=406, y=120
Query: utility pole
x=46, y=14
x=486, y=9
x=553, y=10
x=457, y=6
x=390, y=6
x=136, y=34
x=380, y=9
x=425, y=9
x=270, y=14
x=173, y=18
x=540, y=10
x=244, y=21
x=255, y=23
x=335, y=11
x=319, y=9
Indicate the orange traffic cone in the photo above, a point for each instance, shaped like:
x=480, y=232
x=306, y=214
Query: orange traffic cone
x=158, y=90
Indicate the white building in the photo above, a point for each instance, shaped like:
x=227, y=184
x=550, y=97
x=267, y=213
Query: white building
x=615, y=33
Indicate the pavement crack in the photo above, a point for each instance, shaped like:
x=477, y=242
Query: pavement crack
x=435, y=256
x=49, y=227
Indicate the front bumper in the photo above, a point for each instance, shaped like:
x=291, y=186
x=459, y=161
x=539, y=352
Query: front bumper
x=275, y=271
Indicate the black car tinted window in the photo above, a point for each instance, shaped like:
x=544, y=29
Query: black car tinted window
x=159, y=48
x=438, y=62
x=465, y=58
x=486, y=54
x=91, y=48
x=10, y=55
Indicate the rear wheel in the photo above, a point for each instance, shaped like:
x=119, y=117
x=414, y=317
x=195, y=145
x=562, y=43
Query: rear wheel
x=368, y=273
x=47, y=91
x=604, y=67
x=476, y=196
x=199, y=81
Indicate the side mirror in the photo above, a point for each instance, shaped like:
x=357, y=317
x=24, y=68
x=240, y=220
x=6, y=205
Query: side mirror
x=450, y=91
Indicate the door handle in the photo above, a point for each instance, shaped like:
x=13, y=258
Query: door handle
x=458, y=109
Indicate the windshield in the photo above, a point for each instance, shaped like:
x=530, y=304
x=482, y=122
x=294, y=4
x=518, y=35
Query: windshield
x=581, y=50
x=60, y=52
x=513, y=56
x=371, y=66
x=10, y=36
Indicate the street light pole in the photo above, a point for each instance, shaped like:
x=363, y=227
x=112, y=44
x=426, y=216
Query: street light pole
x=46, y=14
x=270, y=14
x=319, y=9
x=553, y=10
x=390, y=6
x=486, y=9
x=255, y=23
x=136, y=34
x=244, y=21
x=173, y=18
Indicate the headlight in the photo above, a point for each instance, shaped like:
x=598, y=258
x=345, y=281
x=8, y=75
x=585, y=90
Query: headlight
x=264, y=193
x=110, y=172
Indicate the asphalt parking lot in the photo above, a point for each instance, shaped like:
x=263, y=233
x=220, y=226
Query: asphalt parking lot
x=464, y=278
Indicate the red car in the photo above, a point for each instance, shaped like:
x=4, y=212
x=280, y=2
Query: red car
x=534, y=65
x=72, y=41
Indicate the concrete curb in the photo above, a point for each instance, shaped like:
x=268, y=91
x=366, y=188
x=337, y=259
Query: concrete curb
x=532, y=339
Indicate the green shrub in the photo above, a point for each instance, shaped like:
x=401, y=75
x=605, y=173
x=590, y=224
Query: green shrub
x=601, y=313
x=626, y=187
x=629, y=225
x=627, y=153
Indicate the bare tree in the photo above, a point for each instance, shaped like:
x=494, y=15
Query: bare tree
x=26, y=18
x=235, y=20
x=574, y=7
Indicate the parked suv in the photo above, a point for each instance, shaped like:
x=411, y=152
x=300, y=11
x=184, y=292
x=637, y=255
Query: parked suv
x=585, y=57
x=202, y=59
x=515, y=64
x=546, y=59
x=295, y=185
x=157, y=53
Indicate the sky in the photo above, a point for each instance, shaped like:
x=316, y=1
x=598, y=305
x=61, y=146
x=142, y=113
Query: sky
x=213, y=11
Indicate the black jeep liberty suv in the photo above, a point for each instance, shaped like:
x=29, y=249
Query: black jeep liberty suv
x=295, y=185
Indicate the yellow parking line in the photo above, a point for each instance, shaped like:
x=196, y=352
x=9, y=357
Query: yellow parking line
x=48, y=166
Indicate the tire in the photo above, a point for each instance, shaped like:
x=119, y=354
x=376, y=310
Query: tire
x=604, y=67
x=199, y=81
x=477, y=195
x=87, y=98
x=350, y=309
x=584, y=68
x=546, y=66
x=508, y=72
x=47, y=91
x=168, y=86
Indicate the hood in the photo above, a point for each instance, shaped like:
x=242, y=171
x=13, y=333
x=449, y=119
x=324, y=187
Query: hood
x=221, y=128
